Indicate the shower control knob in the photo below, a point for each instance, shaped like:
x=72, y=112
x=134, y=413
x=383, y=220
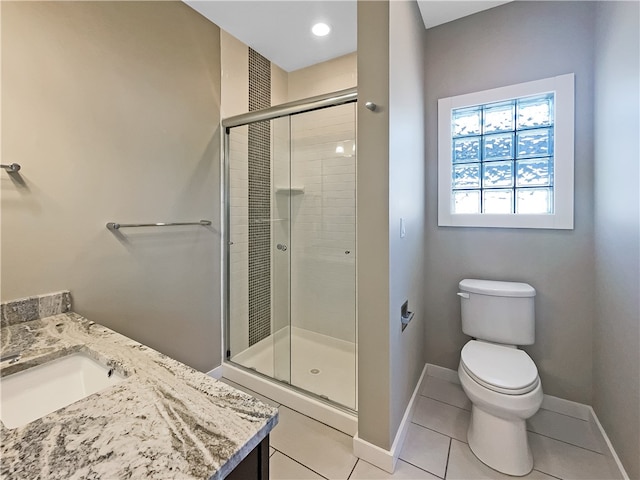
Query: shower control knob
x=281, y=246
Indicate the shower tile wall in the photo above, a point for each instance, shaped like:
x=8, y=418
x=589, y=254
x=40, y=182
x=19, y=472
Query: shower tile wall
x=323, y=222
x=280, y=225
x=259, y=201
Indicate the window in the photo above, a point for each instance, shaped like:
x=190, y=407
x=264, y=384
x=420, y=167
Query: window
x=505, y=156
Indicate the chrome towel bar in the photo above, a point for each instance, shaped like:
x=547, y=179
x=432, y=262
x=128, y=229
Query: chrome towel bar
x=14, y=167
x=117, y=226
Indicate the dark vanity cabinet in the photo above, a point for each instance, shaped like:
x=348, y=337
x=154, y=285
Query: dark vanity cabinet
x=255, y=466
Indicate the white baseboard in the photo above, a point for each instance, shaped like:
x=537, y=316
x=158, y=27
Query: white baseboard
x=566, y=407
x=216, y=372
x=373, y=454
x=594, y=419
x=549, y=402
x=387, y=459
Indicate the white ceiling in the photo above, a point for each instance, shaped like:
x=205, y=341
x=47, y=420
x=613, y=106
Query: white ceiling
x=436, y=13
x=281, y=30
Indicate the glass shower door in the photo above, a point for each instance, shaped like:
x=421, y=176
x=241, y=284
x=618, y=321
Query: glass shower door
x=323, y=257
x=258, y=293
x=291, y=265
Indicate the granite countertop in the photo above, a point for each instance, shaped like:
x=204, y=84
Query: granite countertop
x=165, y=420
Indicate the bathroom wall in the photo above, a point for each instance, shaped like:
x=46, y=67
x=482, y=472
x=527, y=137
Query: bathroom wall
x=513, y=43
x=616, y=354
x=234, y=60
x=390, y=180
x=325, y=77
x=112, y=109
x=406, y=201
x=374, y=382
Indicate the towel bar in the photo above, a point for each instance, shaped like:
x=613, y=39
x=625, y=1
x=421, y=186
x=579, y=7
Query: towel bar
x=117, y=226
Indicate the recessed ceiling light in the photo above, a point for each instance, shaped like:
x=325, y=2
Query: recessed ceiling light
x=321, y=29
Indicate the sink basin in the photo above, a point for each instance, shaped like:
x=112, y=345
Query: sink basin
x=33, y=393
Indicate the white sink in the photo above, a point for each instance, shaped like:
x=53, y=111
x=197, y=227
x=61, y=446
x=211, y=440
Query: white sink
x=38, y=391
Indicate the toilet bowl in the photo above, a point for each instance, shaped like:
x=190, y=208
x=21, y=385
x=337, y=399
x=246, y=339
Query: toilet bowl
x=503, y=397
x=501, y=381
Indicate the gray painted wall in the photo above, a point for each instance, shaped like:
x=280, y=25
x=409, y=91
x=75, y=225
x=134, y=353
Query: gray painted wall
x=514, y=43
x=406, y=201
x=112, y=108
x=616, y=354
x=372, y=194
x=390, y=186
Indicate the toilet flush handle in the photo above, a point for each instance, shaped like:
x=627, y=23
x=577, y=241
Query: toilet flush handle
x=463, y=295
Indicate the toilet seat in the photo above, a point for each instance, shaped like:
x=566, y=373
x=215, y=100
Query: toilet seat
x=499, y=368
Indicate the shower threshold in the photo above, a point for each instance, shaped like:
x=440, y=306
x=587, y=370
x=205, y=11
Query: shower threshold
x=321, y=372
x=322, y=411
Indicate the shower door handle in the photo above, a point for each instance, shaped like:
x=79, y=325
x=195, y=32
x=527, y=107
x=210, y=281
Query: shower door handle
x=281, y=246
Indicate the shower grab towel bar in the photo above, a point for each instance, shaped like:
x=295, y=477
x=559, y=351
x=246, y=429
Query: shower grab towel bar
x=117, y=226
x=14, y=167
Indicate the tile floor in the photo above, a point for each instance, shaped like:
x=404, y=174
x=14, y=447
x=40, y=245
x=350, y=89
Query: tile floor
x=563, y=447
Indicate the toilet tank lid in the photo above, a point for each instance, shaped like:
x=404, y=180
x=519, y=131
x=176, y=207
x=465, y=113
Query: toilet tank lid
x=496, y=288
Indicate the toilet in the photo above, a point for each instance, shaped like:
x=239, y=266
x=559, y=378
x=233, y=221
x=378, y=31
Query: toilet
x=500, y=380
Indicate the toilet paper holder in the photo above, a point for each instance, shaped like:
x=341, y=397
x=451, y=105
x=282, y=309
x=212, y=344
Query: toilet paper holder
x=405, y=315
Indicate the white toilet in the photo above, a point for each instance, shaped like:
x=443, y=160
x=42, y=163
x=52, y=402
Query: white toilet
x=500, y=380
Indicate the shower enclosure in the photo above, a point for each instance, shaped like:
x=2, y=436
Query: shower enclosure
x=290, y=239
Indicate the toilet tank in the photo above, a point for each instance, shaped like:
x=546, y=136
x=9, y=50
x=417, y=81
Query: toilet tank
x=501, y=312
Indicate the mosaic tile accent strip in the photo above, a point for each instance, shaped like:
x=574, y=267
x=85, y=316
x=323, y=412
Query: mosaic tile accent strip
x=34, y=308
x=259, y=201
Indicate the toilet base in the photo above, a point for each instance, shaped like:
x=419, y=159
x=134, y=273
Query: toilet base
x=501, y=444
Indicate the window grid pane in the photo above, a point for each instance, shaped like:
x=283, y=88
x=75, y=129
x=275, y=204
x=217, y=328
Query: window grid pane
x=503, y=156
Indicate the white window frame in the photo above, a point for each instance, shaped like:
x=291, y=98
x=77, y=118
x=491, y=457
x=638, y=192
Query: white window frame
x=562, y=216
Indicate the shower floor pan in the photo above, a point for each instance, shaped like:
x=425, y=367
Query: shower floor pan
x=318, y=363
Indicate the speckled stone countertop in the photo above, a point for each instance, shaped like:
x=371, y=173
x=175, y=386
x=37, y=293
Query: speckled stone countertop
x=165, y=420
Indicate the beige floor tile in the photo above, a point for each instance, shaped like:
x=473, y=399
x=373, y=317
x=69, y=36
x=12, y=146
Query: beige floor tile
x=366, y=471
x=283, y=468
x=567, y=429
x=463, y=465
x=319, y=447
x=443, y=418
x=262, y=398
x=426, y=449
x=447, y=392
x=567, y=461
x=271, y=451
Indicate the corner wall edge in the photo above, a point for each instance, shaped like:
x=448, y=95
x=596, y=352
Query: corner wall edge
x=387, y=459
